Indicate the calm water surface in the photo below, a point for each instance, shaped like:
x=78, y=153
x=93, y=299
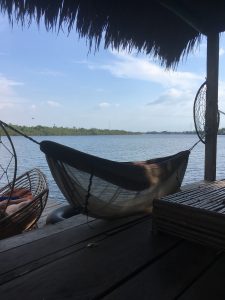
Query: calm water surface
x=120, y=148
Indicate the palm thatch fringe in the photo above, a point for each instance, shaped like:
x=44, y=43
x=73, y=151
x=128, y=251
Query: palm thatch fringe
x=143, y=26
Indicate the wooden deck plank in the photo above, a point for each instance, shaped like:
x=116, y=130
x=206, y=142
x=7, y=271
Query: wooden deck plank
x=12, y=262
x=41, y=233
x=167, y=277
x=210, y=285
x=87, y=272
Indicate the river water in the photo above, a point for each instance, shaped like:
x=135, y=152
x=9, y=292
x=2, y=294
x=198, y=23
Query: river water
x=119, y=148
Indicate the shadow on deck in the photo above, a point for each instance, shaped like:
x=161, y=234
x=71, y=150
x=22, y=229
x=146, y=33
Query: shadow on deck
x=120, y=259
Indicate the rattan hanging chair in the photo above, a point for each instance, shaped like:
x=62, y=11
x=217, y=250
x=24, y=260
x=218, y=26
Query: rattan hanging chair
x=31, y=191
x=23, y=198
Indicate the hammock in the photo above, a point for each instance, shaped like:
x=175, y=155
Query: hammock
x=107, y=189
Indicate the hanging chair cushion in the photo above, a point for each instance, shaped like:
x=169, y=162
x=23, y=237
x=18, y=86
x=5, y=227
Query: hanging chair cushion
x=19, y=198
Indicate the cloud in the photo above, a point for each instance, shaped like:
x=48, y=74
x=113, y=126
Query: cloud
x=104, y=104
x=107, y=104
x=33, y=106
x=53, y=103
x=13, y=107
x=177, y=105
x=221, y=90
x=200, y=50
x=177, y=88
x=183, y=98
x=80, y=62
x=4, y=23
x=131, y=67
x=221, y=52
x=99, y=90
x=51, y=73
x=172, y=97
x=8, y=96
x=6, y=104
x=6, y=85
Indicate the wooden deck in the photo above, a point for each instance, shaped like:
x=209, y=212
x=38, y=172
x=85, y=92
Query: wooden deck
x=120, y=259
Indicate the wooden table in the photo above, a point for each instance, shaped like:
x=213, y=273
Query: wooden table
x=197, y=214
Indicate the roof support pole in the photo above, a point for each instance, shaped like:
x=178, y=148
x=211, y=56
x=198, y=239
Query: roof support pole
x=211, y=105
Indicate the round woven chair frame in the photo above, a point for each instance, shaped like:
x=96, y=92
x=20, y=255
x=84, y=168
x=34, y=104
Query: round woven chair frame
x=14, y=157
x=25, y=218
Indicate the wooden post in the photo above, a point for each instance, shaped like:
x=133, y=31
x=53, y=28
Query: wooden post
x=211, y=105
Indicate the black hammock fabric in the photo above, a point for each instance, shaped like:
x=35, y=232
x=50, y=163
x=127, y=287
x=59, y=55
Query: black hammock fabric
x=110, y=189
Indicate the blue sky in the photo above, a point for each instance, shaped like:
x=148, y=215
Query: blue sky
x=48, y=78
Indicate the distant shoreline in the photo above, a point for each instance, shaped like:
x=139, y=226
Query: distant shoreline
x=67, y=131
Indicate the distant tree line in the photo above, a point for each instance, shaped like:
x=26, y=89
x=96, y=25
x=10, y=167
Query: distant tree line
x=59, y=131
x=221, y=131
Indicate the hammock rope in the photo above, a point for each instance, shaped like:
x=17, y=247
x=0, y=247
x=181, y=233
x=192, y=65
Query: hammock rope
x=88, y=194
x=19, y=132
x=195, y=144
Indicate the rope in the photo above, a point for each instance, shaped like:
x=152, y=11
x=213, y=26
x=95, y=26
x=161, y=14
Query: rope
x=20, y=132
x=87, y=198
x=220, y=111
x=195, y=144
x=88, y=193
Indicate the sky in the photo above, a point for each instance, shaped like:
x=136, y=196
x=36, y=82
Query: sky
x=50, y=78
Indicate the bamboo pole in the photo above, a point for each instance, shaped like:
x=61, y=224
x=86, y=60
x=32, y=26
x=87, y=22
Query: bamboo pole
x=211, y=105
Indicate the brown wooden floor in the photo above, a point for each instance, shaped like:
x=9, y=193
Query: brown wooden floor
x=108, y=260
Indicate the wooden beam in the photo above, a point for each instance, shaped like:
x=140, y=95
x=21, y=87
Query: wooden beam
x=177, y=8
x=211, y=105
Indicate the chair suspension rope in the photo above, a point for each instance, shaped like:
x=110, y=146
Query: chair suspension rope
x=20, y=132
x=220, y=111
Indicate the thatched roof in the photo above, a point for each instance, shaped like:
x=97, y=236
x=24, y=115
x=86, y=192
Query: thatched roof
x=150, y=26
